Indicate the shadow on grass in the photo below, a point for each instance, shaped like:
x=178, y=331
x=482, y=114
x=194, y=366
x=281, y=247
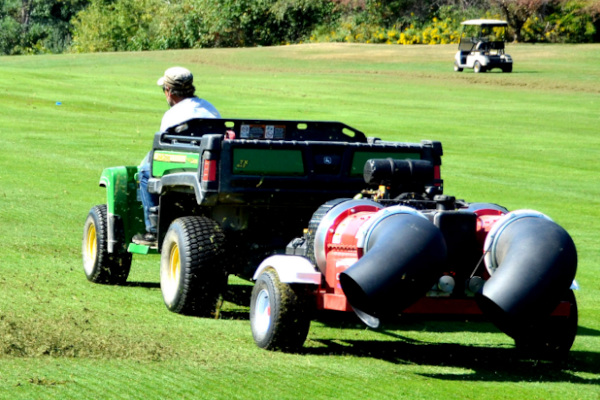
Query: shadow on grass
x=238, y=294
x=482, y=363
x=583, y=331
x=146, y=285
x=489, y=363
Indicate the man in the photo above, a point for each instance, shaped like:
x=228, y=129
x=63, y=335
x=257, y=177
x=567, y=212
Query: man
x=178, y=87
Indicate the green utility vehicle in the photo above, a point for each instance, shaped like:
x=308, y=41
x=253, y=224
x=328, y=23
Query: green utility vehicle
x=232, y=192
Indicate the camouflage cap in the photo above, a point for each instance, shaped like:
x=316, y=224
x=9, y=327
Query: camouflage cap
x=177, y=78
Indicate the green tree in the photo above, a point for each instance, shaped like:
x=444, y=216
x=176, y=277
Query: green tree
x=120, y=25
x=517, y=12
x=36, y=26
x=10, y=29
x=234, y=23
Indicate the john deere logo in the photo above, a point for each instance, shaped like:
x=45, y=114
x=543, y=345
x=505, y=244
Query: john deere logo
x=327, y=160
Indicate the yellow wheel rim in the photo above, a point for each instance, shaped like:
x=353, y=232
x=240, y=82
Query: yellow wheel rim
x=174, y=263
x=91, y=244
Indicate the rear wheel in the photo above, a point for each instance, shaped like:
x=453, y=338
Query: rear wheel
x=456, y=67
x=279, y=313
x=551, y=337
x=99, y=265
x=192, y=272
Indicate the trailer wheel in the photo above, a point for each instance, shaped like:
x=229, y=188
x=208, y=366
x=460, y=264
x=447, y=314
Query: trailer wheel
x=456, y=67
x=279, y=313
x=99, y=265
x=477, y=67
x=192, y=274
x=552, y=337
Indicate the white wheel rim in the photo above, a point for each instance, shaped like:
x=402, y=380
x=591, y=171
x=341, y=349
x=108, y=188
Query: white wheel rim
x=170, y=274
x=262, y=316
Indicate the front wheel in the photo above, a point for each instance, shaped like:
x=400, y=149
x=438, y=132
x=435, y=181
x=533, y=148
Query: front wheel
x=192, y=271
x=507, y=68
x=279, y=313
x=457, y=68
x=477, y=67
x=99, y=265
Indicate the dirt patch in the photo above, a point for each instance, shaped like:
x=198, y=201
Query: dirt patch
x=73, y=338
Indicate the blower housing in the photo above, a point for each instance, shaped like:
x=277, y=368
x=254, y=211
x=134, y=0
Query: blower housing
x=403, y=247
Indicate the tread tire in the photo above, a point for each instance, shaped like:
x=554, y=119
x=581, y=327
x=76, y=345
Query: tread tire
x=192, y=271
x=279, y=313
x=552, y=337
x=99, y=265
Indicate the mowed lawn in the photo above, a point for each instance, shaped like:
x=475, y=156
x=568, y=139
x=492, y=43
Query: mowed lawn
x=529, y=139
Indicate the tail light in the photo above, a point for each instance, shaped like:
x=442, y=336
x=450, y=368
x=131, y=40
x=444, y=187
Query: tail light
x=437, y=175
x=209, y=171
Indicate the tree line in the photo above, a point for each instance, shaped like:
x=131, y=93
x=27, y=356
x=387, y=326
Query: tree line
x=57, y=26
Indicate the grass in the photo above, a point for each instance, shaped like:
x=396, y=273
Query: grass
x=524, y=140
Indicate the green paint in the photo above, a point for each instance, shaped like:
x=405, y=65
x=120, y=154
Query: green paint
x=141, y=249
x=267, y=162
x=121, y=198
x=172, y=161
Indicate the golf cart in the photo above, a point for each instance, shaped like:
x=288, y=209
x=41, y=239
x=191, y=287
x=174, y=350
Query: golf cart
x=482, y=45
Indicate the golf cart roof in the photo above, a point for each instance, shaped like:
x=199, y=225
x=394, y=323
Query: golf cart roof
x=488, y=22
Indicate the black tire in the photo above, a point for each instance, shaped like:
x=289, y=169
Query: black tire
x=279, y=313
x=192, y=271
x=99, y=265
x=457, y=68
x=507, y=68
x=552, y=337
x=477, y=67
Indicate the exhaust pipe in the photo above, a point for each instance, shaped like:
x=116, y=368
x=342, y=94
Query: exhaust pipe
x=403, y=255
x=532, y=262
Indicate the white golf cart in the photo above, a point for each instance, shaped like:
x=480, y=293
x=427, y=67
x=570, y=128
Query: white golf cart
x=481, y=46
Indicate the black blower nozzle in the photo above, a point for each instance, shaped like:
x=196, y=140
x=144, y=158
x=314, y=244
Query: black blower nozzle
x=534, y=261
x=404, y=254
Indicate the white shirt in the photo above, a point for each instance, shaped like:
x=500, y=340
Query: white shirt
x=187, y=109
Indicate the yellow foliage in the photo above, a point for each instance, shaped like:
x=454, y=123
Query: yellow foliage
x=436, y=32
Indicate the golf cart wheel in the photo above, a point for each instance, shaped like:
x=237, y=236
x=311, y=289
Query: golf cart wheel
x=553, y=336
x=192, y=275
x=99, y=265
x=507, y=68
x=477, y=67
x=456, y=67
x=279, y=313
